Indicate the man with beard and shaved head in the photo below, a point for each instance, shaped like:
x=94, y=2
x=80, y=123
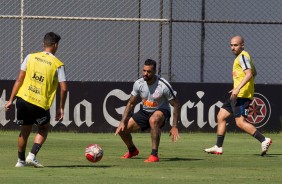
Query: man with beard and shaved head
x=241, y=96
x=156, y=95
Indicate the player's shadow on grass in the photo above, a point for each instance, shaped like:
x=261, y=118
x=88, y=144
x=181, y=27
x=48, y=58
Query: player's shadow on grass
x=180, y=159
x=270, y=155
x=79, y=166
x=168, y=159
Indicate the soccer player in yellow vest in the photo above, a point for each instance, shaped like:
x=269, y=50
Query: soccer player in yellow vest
x=241, y=96
x=35, y=89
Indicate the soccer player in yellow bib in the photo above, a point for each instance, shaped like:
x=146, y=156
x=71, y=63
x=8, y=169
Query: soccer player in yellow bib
x=241, y=96
x=35, y=89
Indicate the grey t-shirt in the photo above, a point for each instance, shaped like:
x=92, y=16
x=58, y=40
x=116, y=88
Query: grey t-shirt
x=155, y=96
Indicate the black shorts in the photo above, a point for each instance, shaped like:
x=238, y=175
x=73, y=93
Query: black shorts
x=29, y=114
x=142, y=118
x=238, y=107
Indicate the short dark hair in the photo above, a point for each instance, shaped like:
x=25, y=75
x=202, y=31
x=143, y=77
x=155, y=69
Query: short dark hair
x=151, y=62
x=51, y=38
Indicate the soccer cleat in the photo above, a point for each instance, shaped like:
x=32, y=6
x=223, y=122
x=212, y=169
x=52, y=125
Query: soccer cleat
x=152, y=158
x=265, y=145
x=31, y=160
x=20, y=163
x=130, y=154
x=214, y=150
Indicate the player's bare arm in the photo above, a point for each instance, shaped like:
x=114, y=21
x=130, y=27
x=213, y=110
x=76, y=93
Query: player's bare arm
x=15, y=89
x=234, y=92
x=130, y=105
x=63, y=97
x=176, y=111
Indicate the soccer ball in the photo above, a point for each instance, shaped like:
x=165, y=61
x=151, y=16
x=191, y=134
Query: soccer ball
x=94, y=153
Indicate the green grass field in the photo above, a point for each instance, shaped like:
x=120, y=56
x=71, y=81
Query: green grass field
x=181, y=162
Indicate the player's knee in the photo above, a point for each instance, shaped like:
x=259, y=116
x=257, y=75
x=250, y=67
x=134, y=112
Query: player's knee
x=154, y=123
x=220, y=117
x=240, y=123
x=131, y=126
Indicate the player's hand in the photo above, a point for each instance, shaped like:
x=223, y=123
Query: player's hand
x=234, y=92
x=120, y=128
x=8, y=105
x=174, y=134
x=60, y=115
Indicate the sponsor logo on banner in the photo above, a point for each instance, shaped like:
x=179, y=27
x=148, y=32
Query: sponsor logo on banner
x=84, y=109
x=259, y=111
x=103, y=112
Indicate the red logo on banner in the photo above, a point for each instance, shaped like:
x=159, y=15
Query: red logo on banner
x=259, y=111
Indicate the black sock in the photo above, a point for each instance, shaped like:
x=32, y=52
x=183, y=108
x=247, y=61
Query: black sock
x=258, y=136
x=132, y=149
x=21, y=155
x=220, y=139
x=154, y=152
x=35, y=148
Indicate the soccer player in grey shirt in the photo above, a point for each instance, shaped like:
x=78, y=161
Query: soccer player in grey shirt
x=156, y=95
